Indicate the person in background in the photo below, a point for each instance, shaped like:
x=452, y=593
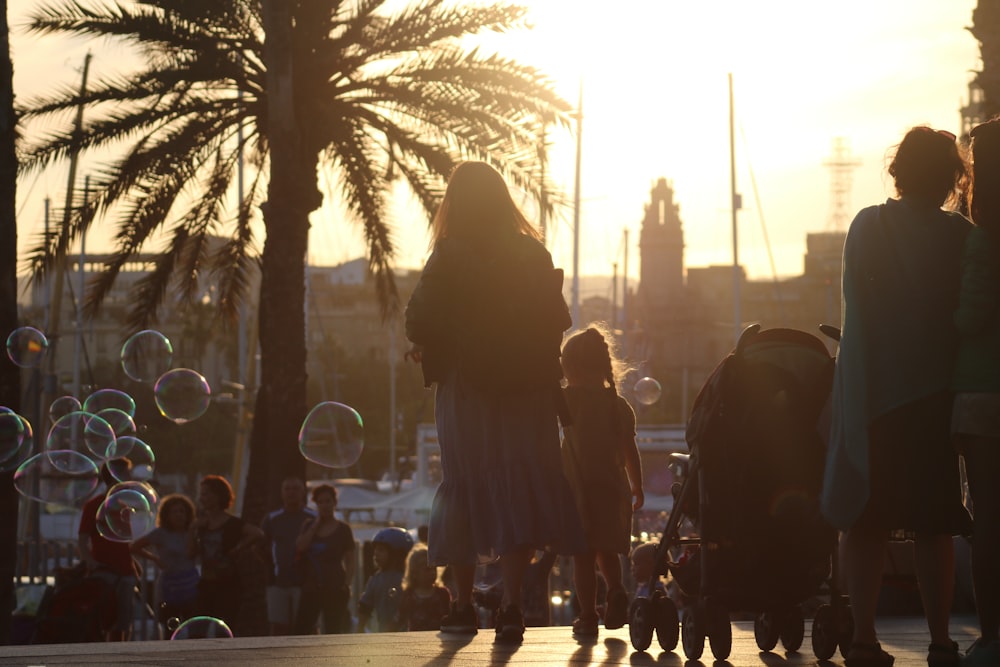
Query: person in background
x=110, y=560
x=381, y=595
x=168, y=546
x=601, y=462
x=424, y=599
x=976, y=413
x=325, y=550
x=641, y=562
x=890, y=462
x=281, y=529
x=218, y=537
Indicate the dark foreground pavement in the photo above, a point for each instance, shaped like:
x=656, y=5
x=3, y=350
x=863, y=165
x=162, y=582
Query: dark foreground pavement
x=906, y=638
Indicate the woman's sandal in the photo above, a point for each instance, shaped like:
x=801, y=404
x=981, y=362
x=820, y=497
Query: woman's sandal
x=943, y=655
x=868, y=655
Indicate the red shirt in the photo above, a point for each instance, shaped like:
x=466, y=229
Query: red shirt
x=114, y=555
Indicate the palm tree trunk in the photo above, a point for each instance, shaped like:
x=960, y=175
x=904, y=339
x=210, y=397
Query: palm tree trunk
x=291, y=196
x=10, y=376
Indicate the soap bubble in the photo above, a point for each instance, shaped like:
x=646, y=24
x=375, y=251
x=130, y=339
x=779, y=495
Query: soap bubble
x=120, y=421
x=146, y=356
x=26, y=347
x=64, y=478
x=182, y=395
x=81, y=432
x=126, y=514
x=647, y=391
x=141, y=464
x=202, y=627
x=332, y=435
x=62, y=406
x=15, y=439
x=106, y=399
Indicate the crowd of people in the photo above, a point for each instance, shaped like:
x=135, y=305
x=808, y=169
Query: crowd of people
x=916, y=387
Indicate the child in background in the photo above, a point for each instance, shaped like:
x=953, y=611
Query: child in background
x=169, y=546
x=424, y=599
x=642, y=562
x=601, y=463
x=382, y=592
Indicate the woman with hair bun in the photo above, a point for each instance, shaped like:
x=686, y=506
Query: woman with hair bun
x=891, y=465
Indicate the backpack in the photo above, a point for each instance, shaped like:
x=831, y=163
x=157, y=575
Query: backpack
x=511, y=323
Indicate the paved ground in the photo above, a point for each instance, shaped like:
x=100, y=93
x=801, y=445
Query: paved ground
x=906, y=638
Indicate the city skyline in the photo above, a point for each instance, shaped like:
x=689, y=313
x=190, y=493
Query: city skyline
x=655, y=104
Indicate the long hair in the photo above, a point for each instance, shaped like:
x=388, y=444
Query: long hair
x=929, y=166
x=984, y=204
x=416, y=561
x=592, y=352
x=477, y=207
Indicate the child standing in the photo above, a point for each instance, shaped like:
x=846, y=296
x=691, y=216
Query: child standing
x=424, y=600
x=169, y=547
x=601, y=462
x=381, y=594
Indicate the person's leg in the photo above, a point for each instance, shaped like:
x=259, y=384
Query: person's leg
x=513, y=565
x=308, y=612
x=278, y=612
x=616, y=605
x=982, y=459
x=585, y=580
x=864, y=559
x=934, y=559
x=611, y=569
x=464, y=576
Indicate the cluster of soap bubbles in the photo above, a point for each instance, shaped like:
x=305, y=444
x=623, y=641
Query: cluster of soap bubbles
x=103, y=427
x=101, y=430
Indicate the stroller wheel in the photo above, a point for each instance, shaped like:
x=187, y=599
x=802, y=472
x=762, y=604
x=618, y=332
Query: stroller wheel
x=640, y=623
x=693, y=632
x=766, y=631
x=793, y=628
x=667, y=624
x=845, y=629
x=825, y=635
x=720, y=632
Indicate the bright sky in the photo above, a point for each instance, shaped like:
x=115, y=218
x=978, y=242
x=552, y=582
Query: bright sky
x=656, y=105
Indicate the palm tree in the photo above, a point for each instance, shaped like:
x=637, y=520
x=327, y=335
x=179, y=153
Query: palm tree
x=368, y=96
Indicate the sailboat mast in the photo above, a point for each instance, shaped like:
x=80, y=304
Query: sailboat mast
x=576, y=212
x=735, y=204
x=55, y=304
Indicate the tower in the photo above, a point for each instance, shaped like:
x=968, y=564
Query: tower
x=841, y=165
x=661, y=248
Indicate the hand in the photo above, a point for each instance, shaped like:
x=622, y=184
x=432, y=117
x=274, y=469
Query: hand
x=639, y=498
x=414, y=354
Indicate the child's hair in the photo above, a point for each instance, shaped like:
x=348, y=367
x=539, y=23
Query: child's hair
x=167, y=504
x=415, y=562
x=591, y=352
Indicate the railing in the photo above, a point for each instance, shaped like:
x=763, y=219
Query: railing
x=39, y=563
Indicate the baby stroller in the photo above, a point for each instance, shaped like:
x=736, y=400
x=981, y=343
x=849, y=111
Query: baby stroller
x=750, y=488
